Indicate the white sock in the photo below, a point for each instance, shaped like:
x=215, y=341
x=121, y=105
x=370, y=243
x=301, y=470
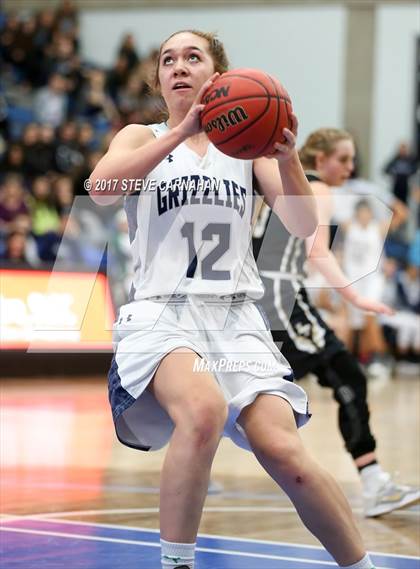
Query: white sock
x=372, y=477
x=364, y=563
x=177, y=554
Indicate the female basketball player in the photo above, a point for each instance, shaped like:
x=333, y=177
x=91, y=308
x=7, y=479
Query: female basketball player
x=309, y=345
x=193, y=290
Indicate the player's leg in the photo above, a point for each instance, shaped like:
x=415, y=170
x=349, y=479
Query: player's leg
x=345, y=376
x=197, y=407
x=271, y=430
x=374, y=348
x=372, y=336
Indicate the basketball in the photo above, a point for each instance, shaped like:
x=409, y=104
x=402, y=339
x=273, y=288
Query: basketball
x=245, y=113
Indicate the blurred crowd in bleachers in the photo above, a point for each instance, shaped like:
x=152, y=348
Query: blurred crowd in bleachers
x=58, y=113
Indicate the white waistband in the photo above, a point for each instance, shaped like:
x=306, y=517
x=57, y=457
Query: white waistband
x=235, y=298
x=282, y=276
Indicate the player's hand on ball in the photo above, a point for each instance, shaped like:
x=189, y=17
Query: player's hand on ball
x=284, y=150
x=192, y=122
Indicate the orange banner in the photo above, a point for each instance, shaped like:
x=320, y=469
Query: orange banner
x=43, y=311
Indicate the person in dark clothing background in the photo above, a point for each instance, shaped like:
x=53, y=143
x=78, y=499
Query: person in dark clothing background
x=401, y=167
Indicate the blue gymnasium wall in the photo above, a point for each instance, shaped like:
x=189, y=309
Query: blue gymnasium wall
x=305, y=47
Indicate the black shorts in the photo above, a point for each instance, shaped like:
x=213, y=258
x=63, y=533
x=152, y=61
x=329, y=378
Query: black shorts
x=303, y=337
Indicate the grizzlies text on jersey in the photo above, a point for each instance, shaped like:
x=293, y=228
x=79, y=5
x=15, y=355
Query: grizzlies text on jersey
x=190, y=228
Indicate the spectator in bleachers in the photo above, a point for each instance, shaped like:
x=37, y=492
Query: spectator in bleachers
x=30, y=143
x=22, y=224
x=68, y=156
x=148, y=66
x=22, y=48
x=362, y=251
x=46, y=223
x=401, y=167
x=4, y=123
x=13, y=202
x=414, y=248
x=15, y=252
x=44, y=30
x=75, y=81
x=67, y=17
x=60, y=113
x=130, y=98
x=87, y=234
x=129, y=51
x=94, y=103
x=86, y=138
x=408, y=289
x=402, y=291
x=64, y=194
x=77, y=248
x=13, y=159
x=62, y=54
x=117, y=76
x=51, y=101
x=9, y=50
x=46, y=149
x=122, y=254
x=72, y=242
x=89, y=165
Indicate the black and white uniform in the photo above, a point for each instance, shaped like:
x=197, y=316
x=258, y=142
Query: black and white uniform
x=303, y=337
x=195, y=286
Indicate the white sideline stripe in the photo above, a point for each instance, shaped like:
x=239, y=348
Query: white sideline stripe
x=148, y=544
x=154, y=510
x=78, y=536
x=49, y=516
x=237, y=509
x=11, y=517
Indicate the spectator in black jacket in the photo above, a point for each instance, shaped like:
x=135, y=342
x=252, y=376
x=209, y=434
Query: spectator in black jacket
x=401, y=167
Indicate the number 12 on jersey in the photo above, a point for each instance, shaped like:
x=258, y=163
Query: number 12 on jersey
x=222, y=231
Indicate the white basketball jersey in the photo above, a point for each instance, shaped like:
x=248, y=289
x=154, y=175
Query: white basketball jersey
x=190, y=226
x=362, y=250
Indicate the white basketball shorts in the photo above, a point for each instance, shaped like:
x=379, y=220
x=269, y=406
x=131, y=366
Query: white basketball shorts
x=233, y=340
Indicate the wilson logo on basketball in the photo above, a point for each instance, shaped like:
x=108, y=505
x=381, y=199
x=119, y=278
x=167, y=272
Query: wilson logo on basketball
x=226, y=120
x=217, y=94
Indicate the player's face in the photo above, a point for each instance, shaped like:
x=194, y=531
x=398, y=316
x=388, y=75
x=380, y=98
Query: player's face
x=185, y=64
x=364, y=216
x=337, y=167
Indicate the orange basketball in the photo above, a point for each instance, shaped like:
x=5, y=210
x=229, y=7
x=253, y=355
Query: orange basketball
x=245, y=113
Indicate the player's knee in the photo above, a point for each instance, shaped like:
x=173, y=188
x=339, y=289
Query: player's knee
x=349, y=373
x=207, y=423
x=203, y=421
x=284, y=453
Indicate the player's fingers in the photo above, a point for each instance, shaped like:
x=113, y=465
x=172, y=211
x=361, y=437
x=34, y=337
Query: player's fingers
x=281, y=147
x=198, y=108
x=382, y=309
x=295, y=124
x=387, y=310
x=290, y=137
x=206, y=85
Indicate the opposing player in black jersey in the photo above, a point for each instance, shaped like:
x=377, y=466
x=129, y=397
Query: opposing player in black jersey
x=304, y=338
